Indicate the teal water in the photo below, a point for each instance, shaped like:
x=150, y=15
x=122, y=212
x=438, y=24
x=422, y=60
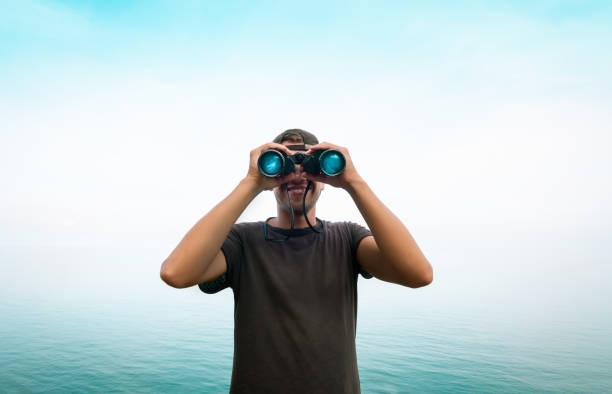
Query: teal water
x=101, y=320
x=152, y=347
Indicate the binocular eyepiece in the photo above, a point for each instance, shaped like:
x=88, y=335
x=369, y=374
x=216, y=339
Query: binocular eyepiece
x=274, y=163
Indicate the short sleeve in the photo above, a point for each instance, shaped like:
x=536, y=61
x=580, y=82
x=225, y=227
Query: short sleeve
x=233, y=251
x=358, y=233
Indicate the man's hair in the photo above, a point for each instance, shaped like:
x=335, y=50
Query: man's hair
x=296, y=135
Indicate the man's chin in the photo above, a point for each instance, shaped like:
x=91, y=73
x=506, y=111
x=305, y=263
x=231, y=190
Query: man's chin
x=297, y=208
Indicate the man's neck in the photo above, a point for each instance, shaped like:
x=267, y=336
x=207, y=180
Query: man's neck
x=283, y=219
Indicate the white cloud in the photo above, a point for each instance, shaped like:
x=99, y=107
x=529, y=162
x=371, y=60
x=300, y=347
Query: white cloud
x=496, y=178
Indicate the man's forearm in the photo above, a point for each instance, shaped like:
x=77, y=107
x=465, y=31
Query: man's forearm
x=394, y=241
x=201, y=244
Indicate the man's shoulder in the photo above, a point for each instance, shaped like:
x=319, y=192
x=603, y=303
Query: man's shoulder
x=247, y=227
x=342, y=225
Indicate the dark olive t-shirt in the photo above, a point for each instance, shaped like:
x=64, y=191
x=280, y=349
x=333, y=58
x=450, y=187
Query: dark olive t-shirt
x=295, y=307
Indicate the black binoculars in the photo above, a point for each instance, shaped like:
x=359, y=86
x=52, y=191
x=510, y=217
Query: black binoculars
x=275, y=163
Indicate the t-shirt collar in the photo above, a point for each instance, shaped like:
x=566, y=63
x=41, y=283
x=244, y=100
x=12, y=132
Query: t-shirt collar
x=296, y=232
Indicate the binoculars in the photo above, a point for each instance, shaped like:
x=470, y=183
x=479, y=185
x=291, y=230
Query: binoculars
x=274, y=163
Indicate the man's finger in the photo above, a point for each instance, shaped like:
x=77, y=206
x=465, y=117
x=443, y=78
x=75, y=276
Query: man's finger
x=321, y=146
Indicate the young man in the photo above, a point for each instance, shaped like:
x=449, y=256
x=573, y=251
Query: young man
x=295, y=291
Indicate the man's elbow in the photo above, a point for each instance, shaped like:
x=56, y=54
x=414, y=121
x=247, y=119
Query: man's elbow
x=167, y=278
x=428, y=277
x=170, y=278
x=424, y=279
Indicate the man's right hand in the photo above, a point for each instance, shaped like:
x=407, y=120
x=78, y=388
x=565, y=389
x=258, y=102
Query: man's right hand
x=200, y=249
x=263, y=182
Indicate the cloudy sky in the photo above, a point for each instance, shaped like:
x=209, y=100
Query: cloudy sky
x=485, y=126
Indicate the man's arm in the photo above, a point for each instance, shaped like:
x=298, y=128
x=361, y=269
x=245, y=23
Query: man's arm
x=198, y=257
x=391, y=254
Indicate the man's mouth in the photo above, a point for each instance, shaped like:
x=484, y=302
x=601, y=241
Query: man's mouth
x=296, y=188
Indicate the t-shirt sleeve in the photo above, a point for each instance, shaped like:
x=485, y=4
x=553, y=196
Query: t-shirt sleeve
x=232, y=250
x=358, y=233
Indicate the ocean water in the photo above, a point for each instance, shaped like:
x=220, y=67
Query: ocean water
x=81, y=330
x=188, y=348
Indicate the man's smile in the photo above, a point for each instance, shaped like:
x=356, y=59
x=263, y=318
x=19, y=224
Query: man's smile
x=296, y=187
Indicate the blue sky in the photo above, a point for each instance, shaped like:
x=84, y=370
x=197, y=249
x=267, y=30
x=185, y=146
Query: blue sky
x=458, y=46
x=61, y=30
x=485, y=126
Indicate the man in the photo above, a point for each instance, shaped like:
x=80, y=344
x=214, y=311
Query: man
x=295, y=290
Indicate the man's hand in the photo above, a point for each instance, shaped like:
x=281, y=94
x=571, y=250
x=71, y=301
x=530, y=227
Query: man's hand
x=391, y=254
x=348, y=177
x=200, y=249
x=263, y=182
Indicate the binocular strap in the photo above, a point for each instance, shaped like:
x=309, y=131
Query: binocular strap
x=267, y=237
x=304, y=207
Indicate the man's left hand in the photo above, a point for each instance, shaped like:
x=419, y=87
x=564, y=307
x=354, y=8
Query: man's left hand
x=348, y=177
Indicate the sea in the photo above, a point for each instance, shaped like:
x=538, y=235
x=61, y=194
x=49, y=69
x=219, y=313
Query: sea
x=73, y=329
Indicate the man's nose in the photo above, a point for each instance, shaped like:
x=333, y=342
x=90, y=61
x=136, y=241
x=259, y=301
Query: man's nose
x=298, y=169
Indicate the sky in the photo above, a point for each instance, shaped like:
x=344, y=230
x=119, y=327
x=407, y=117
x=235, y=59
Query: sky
x=485, y=126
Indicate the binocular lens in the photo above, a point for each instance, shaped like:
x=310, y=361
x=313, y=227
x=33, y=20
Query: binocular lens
x=332, y=162
x=270, y=163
